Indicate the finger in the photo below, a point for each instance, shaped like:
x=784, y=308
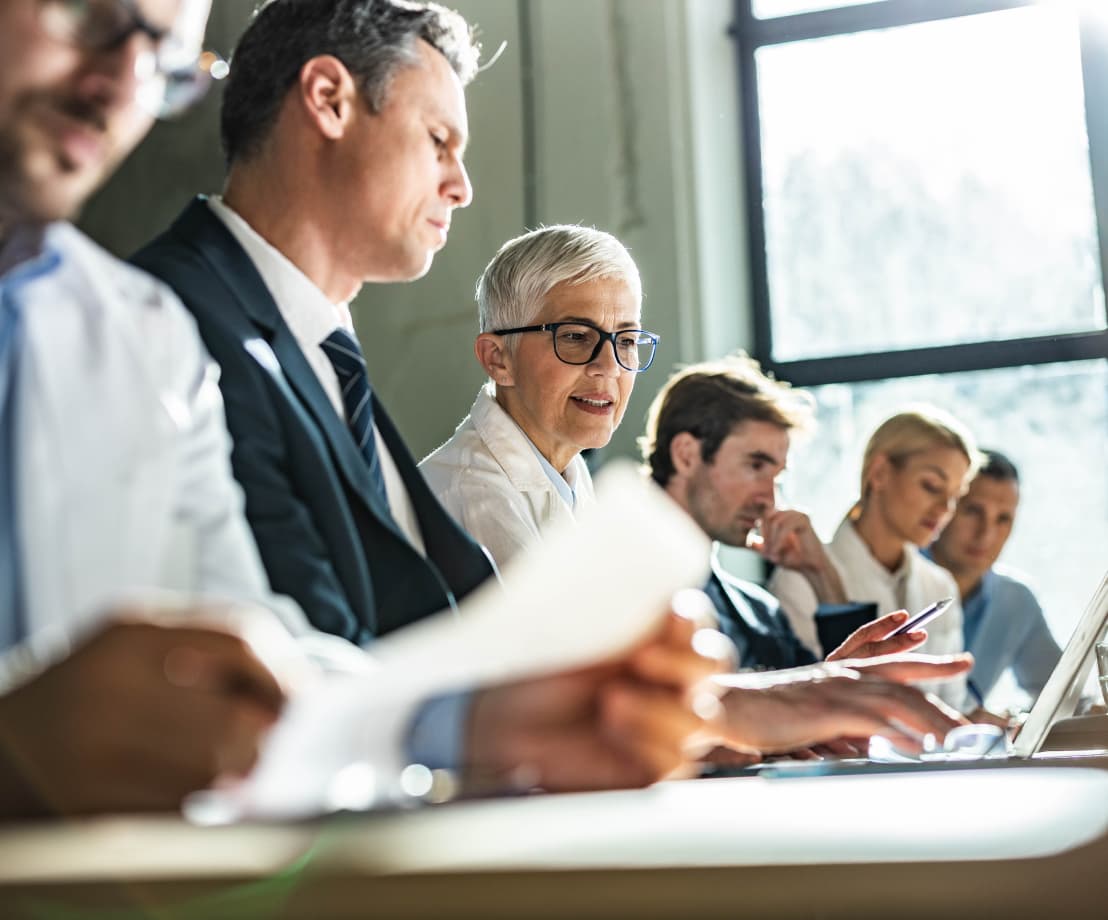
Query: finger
x=901, y=709
x=729, y=757
x=871, y=632
x=804, y=753
x=692, y=606
x=653, y=728
x=915, y=668
x=779, y=537
x=707, y=652
x=841, y=747
x=894, y=645
x=205, y=659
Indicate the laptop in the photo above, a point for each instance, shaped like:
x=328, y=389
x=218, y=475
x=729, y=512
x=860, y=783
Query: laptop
x=1060, y=696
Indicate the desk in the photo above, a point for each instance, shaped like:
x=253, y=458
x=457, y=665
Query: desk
x=1023, y=842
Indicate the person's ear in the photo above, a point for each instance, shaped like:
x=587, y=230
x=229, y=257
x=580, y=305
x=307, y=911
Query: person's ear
x=328, y=95
x=880, y=469
x=495, y=359
x=684, y=453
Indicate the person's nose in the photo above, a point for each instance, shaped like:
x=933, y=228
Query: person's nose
x=765, y=494
x=605, y=363
x=987, y=532
x=112, y=77
x=458, y=189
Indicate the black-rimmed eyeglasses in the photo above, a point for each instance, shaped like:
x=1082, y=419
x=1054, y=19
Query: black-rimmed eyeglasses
x=172, y=76
x=580, y=343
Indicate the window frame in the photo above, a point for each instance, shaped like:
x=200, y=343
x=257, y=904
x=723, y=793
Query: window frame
x=751, y=33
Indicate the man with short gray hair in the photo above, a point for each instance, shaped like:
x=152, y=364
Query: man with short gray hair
x=344, y=126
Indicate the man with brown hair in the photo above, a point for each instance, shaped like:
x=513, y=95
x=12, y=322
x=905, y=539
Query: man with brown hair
x=717, y=438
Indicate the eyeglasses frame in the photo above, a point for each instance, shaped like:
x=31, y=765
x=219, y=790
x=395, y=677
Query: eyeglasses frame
x=605, y=336
x=205, y=61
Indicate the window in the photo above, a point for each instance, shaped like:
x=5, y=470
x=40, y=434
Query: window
x=925, y=179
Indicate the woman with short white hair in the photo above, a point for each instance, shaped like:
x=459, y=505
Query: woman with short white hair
x=560, y=339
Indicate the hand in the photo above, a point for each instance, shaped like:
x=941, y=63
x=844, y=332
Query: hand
x=729, y=757
x=805, y=707
x=911, y=669
x=983, y=716
x=790, y=541
x=621, y=724
x=873, y=640
x=134, y=719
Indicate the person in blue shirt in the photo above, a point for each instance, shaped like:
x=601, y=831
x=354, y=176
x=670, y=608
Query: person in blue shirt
x=1003, y=621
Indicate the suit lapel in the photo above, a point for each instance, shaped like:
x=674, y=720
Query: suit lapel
x=738, y=601
x=199, y=227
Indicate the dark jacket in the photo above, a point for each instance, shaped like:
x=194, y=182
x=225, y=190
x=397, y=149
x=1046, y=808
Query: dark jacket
x=325, y=536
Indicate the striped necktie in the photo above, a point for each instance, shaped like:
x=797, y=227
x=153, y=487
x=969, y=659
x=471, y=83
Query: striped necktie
x=346, y=357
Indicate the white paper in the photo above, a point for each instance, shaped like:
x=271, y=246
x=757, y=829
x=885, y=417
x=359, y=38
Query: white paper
x=589, y=593
x=592, y=590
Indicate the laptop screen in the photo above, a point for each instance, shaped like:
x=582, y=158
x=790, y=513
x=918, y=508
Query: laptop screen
x=1062, y=691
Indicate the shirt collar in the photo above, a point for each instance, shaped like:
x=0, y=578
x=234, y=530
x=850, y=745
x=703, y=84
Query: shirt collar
x=557, y=480
x=27, y=254
x=850, y=543
x=304, y=307
x=984, y=589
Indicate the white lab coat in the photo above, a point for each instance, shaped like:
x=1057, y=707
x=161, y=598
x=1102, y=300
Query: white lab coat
x=488, y=477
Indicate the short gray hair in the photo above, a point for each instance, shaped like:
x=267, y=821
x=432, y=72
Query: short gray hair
x=511, y=289
x=373, y=39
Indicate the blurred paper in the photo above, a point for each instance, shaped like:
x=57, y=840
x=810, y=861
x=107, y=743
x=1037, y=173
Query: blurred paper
x=589, y=593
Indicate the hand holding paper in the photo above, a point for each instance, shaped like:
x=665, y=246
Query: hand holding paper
x=588, y=685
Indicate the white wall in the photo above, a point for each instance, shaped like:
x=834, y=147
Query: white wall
x=634, y=130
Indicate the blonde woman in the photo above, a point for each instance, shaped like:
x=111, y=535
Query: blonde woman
x=915, y=467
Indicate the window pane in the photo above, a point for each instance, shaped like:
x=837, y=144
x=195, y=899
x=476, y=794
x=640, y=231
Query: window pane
x=928, y=185
x=768, y=9
x=1052, y=420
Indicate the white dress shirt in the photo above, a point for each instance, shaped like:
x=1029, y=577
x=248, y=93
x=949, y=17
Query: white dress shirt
x=122, y=471
x=312, y=317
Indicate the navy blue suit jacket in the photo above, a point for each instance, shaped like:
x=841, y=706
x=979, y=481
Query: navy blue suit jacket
x=325, y=536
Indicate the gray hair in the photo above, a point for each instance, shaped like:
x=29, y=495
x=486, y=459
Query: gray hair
x=373, y=39
x=511, y=290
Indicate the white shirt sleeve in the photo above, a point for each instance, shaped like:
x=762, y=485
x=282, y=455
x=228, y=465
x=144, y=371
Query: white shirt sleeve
x=798, y=603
